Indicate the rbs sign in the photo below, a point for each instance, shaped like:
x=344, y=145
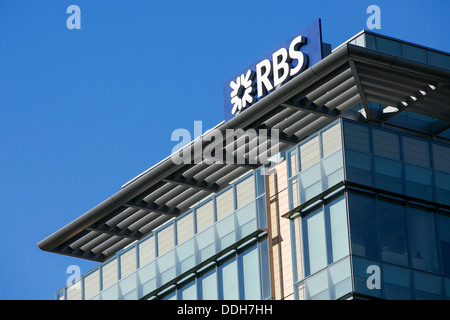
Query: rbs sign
x=290, y=59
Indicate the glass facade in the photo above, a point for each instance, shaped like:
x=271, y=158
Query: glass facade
x=315, y=165
x=183, y=245
x=402, y=49
x=385, y=234
x=397, y=162
x=368, y=210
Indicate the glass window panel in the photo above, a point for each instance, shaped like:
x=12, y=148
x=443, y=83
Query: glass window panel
x=333, y=169
x=128, y=288
x=185, y=256
x=414, y=53
x=359, y=167
x=331, y=140
x=147, y=278
x=371, y=42
x=317, y=246
x=188, y=291
x=146, y=251
x=388, y=174
x=166, y=267
x=294, y=193
x=128, y=262
x=367, y=277
x=386, y=144
x=397, y=282
x=299, y=273
x=260, y=182
x=185, y=228
x=309, y=153
x=111, y=293
x=360, y=41
x=292, y=155
x=208, y=285
x=356, y=137
x=226, y=232
x=340, y=279
x=438, y=59
x=205, y=244
x=444, y=235
x=423, y=240
x=249, y=267
x=447, y=288
x=441, y=156
x=110, y=274
x=416, y=152
x=419, y=182
x=166, y=239
x=74, y=291
x=339, y=231
x=262, y=213
x=393, y=236
x=363, y=226
x=311, y=182
x=205, y=216
x=245, y=192
x=317, y=287
x=427, y=286
x=442, y=181
x=229, y=280
x=91, y=284
x=389, y=46
x=263, y=248
x=300, y=291
x=225, y=203
x=246, y=220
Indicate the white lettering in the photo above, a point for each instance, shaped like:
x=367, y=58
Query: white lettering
x=281, y=67
x=263, y=72
x=295, y=53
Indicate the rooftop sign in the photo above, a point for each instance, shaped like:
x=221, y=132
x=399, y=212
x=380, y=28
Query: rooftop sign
x=298, y=53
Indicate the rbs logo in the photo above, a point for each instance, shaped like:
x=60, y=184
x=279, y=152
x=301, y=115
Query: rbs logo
x=286, y=63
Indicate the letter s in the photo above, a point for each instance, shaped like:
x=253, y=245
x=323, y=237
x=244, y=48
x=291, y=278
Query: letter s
x=295, y=53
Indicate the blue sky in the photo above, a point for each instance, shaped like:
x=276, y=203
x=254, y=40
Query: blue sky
x=84, y=111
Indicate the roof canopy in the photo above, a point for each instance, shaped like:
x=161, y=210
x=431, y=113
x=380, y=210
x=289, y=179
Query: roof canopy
x=330, y=89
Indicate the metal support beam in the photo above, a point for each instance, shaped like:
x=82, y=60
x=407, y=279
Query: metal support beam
x=362, y=95
x=410, y=101
x=192, y=183
x=311, y=107
x=153, y=207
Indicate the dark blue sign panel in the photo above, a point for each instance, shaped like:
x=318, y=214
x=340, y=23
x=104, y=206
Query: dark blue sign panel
x=288, y=60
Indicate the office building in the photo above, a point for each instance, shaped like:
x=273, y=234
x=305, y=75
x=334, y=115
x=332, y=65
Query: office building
x=353, y=202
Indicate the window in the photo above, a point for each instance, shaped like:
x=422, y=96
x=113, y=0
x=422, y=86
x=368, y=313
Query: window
x=316, y=240
x=325, y=236
x=208, y=286
x=423, y=239
x=444, y=235
x=249, y=268
x=363, y=226
x=393, y=236
x=229, y=280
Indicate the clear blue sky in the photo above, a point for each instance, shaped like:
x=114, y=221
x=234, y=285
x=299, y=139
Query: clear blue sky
x=84, y=111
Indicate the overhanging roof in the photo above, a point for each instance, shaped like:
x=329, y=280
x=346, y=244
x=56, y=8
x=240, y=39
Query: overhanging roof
x=322, y=93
